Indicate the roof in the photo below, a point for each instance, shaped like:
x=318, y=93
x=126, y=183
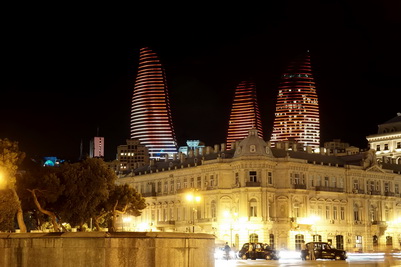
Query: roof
x=395, y=119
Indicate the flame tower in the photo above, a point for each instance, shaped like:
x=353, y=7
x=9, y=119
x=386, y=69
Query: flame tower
x=297, y=109
x=244, y=113
x=151, y=120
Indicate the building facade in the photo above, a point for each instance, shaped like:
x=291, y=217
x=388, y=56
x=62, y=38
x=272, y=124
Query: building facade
x=96, y=147
x=387, y=141
x=297, y=109
x=274, y=195
x=151, y=121
x=244, y=114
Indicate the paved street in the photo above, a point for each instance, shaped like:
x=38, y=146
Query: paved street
x=357, y=260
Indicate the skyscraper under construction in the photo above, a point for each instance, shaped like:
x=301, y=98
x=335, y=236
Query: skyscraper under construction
x=151, y=120
x=297, y=109
x=244, y=113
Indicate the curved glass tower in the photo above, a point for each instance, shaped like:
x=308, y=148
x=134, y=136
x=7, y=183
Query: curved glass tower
x=297, y=109
x=151, y=120
x=244, y=113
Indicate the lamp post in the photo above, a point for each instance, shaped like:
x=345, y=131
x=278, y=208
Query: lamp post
x=193, y=199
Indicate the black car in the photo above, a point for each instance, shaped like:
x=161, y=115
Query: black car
x=258, y=251
x=323, y=250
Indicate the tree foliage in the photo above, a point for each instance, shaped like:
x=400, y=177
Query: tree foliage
x=10, y=159
x=75, y=193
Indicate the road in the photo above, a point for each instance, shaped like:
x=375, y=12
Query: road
x=357, y=260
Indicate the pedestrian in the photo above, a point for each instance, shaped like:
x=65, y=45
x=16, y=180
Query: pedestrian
x=227, y=250
x=304, y=250
x=311, y=251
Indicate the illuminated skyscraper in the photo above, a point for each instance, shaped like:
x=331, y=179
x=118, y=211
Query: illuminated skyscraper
x=244, y=113
x=151, y=120
x=297, y=109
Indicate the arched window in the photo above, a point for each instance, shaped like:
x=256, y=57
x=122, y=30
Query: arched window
x=299, y=239
x=253, y=208
x=271, y=240
x=253, y=238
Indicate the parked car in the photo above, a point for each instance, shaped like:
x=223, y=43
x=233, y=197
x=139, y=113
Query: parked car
x=260, y=251
x=323, y=250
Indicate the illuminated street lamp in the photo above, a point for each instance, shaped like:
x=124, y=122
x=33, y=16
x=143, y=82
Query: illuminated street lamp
x=193, y=199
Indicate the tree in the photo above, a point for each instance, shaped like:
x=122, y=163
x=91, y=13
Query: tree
x=10, y=159
x=8, y=209
x=87, y=185
x=39, y=189
x=123, y=199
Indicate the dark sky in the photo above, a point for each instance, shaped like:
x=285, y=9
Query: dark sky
x=72, y=70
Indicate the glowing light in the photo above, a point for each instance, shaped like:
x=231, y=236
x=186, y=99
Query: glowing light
x=297, y=109
x=151, y=120
x=244, y=113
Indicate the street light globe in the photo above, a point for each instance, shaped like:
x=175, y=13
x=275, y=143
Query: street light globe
x=190, y=197
x=197, y=198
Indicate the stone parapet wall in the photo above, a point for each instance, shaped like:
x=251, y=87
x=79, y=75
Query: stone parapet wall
x=103, y=249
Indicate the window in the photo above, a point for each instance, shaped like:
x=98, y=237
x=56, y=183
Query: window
x=296, y=178
x=396, y=188
x=312, y=181
x=237, y=178
x=398, y=144
x=211, y=180
x=378, y=148
x=253, y=176
x=385, y=146
x=326, y=181
x=356, y=184
x=317, y=238
x=335, y=215
x=213, y=209
x=165, y=187
x=198, y=182
x=172, y=186
x=192, y=183
x=253, y=208
x=327, y=212
x=271, y=240
x=159, y=187
x=299, y=239
x=269, y=178
x=185, y=183
x=342, y=213
x=386, y=187
x=356, y=213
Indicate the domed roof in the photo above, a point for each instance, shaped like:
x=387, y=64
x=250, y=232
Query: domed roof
x=252, y=145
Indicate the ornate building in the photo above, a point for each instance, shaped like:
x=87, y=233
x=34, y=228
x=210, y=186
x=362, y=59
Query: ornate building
x=244, y=113
x=387, y=142
x=151, y=120
x=297, y=109
x=279, y=196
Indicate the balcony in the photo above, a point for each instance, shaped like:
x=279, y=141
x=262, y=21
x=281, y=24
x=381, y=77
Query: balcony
x=329, y=189
x=299, y=186
x=389, y=194
x=252, y=184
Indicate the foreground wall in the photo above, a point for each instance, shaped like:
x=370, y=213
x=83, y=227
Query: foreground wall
x=101, y=249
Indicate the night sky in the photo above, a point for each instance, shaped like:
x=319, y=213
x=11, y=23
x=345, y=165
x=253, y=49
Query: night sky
x=69, y=73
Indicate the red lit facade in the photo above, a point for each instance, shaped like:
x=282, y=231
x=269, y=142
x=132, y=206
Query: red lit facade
x=151, y=120
x=297, y=109
x=244, y=113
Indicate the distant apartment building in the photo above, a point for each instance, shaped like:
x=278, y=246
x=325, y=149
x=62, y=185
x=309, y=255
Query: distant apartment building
x=96, y=147
x=131, y=156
